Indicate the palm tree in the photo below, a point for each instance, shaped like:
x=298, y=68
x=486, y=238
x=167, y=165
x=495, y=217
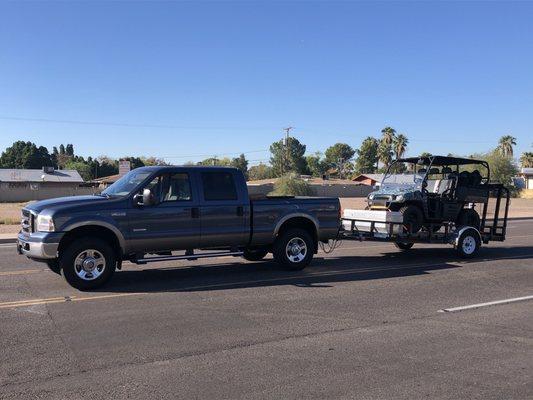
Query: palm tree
x=526, y=159
x=387, y=135
x=400, y=145
x=384, y=154
x=505, y=145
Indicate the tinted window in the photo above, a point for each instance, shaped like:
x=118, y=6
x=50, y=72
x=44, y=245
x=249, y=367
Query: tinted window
x=176, y=187
x=219, y=186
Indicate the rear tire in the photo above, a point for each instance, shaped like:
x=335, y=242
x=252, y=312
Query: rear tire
x=468, y=243
x=404, y=246
x=412, y=218
x=254, y=254
x=294, y=249
x=468, y=217
x=88, y=263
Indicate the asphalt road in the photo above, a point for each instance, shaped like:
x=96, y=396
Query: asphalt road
x=361, y=323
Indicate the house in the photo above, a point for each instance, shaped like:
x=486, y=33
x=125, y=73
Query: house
x=375, y=179
x=39, y=184
x=527, y=175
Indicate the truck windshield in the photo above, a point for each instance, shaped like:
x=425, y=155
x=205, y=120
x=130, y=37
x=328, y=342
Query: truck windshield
x=127, y=183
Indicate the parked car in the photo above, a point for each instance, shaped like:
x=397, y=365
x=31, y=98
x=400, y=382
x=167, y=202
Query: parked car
x=152, y=212
x=441, y=189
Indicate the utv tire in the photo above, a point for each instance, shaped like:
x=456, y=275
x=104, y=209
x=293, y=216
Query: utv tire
x=254, y=254
x=404, y=246
x=412, y=218
x=54, y=266
x=88, y=263
x=468, y=217
x=294, y=249
x=468, y=243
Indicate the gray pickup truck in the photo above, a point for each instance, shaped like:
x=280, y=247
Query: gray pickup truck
x=153, y=212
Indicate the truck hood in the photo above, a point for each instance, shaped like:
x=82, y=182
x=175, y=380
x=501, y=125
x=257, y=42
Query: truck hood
x=64, y=202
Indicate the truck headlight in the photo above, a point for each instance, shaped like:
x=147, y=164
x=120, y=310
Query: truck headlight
x=399, y=197
x=45, y=223
x=370, y=196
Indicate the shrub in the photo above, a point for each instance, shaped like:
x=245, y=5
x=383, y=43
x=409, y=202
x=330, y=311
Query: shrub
x=291, y=185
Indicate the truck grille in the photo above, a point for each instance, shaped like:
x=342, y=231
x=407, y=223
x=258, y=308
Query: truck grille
x=28, y=221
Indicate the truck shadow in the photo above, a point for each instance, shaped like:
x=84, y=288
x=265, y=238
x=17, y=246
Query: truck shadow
x=322, y=273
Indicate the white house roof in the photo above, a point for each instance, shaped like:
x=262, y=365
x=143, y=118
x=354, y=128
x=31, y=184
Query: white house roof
x=397, y=178
x=38, y=175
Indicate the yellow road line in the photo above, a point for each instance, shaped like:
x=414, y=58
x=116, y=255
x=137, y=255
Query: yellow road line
x=21, y=272
x=64, y=299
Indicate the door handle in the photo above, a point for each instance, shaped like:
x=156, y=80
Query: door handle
x=195, y=212
x=240, y=211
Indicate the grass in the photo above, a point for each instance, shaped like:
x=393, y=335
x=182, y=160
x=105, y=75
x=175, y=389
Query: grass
x=10, y=213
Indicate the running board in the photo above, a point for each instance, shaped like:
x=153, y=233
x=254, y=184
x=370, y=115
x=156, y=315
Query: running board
x=189, y=257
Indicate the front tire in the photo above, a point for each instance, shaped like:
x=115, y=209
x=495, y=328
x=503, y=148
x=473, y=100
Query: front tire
x=88, y=263
x=53, y=265
x=404, y=246
x=294, y=249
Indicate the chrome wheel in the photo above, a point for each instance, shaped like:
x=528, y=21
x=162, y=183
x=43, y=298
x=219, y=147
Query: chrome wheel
x=296, y=250
x=469, y=245
x=89, y=264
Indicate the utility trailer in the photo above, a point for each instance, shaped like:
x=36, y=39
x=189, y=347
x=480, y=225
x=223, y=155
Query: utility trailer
x=465, y=239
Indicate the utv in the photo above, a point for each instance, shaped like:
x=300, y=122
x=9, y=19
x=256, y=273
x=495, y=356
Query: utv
x=430, y=191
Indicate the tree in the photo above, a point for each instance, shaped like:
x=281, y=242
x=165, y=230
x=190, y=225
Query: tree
x=25, y=155
x=224, y=162
x=526, y=159
x=502, y=167
x=106, y=166
x=385, y=154
x=153, y=161
x=135, y=162
x=62, y=149
x=367, y=156
x=83, y=168
x=260, y=171
x=338, y=156
x=399, y=145
x=425, y=154
x=316, y=165
x=291, y=185
x=241, y=163
x=69, y=150
x=288, y=156
x=505, y=145
x=387, y=135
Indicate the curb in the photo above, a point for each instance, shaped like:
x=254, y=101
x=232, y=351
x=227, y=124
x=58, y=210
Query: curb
x=12, y=240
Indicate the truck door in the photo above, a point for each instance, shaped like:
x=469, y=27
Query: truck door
x=171, y=223
x=223, y=210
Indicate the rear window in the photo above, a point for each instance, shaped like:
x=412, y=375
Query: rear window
x=219, y=186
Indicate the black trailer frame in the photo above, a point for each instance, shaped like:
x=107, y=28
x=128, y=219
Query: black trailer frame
x=493, y=227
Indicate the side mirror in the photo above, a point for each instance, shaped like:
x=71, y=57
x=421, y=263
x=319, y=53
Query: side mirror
x=148, y=197
x=144, y=199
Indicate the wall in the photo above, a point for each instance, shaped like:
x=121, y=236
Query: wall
x=25, y=191
x=327, y=190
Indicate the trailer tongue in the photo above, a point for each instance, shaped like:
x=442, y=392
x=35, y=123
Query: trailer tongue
x=389, y=226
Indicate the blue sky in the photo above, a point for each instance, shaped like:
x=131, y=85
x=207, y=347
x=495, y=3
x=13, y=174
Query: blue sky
x=190, y=80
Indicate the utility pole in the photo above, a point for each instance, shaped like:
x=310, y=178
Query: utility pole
x=287, y=133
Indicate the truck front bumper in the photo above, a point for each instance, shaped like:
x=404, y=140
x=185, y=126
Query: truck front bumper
x=39, y=245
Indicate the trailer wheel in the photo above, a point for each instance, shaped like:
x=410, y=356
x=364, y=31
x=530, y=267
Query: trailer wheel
x=254, y=254
x=88, y=263
x=404, y=246
x=293, y=249
x=468, y=243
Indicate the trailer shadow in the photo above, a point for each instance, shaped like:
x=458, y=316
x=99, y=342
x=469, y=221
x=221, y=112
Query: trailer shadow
x=322, y=273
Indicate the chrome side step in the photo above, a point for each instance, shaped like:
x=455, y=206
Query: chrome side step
x=190, y=257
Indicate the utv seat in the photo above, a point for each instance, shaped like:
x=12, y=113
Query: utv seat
x=475, y=178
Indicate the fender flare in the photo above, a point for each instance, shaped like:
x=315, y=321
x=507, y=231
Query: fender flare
x=101, y=223
x=295, y=215
x=460, y=232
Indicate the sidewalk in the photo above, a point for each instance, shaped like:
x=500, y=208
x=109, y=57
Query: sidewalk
x=8, y=238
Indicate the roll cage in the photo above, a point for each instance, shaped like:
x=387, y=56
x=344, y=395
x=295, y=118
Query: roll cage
x=427, y=165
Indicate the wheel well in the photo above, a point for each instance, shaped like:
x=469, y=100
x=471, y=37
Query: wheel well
x=301, y=223
x=95, y=231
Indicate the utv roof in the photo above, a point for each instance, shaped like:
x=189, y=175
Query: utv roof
x=442, y=160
